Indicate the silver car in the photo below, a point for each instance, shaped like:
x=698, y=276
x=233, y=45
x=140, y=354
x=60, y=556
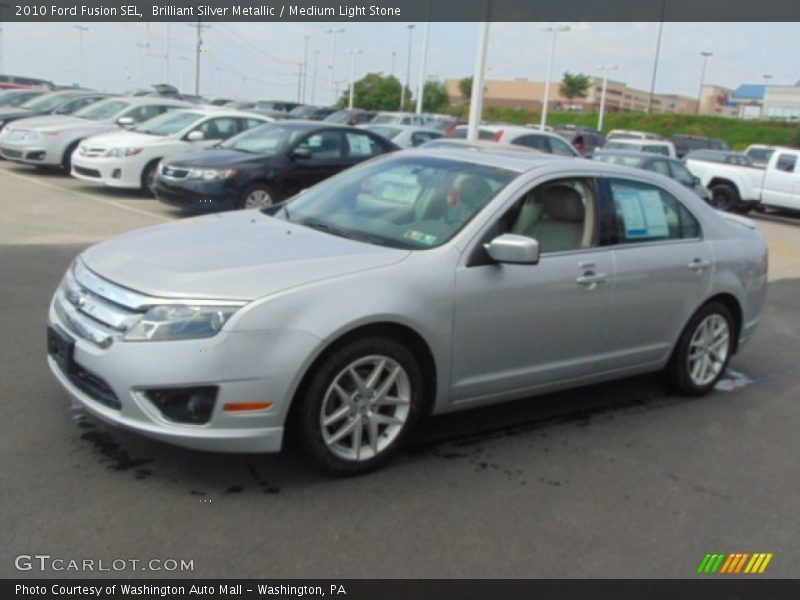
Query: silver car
x=421, y=283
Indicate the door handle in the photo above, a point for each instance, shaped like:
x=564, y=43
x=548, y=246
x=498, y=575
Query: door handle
x=698, y=264
x=590, y=279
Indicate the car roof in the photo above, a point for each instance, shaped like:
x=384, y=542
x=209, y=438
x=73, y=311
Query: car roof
x=640, y=142
x=496, y=155
x=403, y=127
x=221, y=111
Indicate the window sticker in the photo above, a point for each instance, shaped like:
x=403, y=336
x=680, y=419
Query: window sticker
x=359, y=144
x=642, y=213
x=418, y=236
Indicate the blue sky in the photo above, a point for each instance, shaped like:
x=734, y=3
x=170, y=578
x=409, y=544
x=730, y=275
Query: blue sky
x=258, y=60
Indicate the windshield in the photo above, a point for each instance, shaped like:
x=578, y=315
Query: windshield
x=102, y=110
x=169, y=123
x=617, y=159
x=46, y=103
x=15, y=97
x=415, y=203
x=267, y=140
x=342, y=116
x=387, y=132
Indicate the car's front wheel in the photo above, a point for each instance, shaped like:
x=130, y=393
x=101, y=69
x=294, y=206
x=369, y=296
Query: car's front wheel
x=703, y=350
x=360, y=406
x=257, y=196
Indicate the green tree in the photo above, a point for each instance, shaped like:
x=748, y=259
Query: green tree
x=374, y=92
x=465, y=87
x=575, y=86
x=434, y=97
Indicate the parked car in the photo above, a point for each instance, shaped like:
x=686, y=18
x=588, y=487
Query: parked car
x=264, y=165
x=543, y=141
x=648, y=161
x=759, y=154
x=631, y=134
x=311, y=113
x=688, y=143
x=128, y=158
x=17, y=97
x=584, y=140
x=742, y=188
x=352, y=117
x=278, y=105
x=430, y=120
x=721, y=156
x=663, y=147
x=478, y=145
x=393, y=291
x=13, y=82
x=50, y=141
x=405, y=136
x=52, y=103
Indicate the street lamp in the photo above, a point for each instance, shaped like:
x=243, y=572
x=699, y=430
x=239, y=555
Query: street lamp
x=555, y=31
x=332, y=63
x=353, y=54
x=766, y=77
x=605, y=69
x=705, y=56
x=81, y=30
x=408, y=68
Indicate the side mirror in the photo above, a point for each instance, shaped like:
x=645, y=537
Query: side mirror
x=195, y=136
x=301, y=152
x=512, y=248
x=126, y=122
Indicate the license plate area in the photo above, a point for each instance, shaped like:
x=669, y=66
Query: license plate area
x=62, y=348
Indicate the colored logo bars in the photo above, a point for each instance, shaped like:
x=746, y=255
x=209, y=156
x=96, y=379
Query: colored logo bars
x=734, y=563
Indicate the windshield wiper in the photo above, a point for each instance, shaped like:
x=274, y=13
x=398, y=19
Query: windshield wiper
x=327, y=228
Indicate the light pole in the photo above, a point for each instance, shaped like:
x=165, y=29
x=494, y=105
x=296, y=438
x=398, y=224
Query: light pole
x=140, y=71
x=81, y=30
x=332, y=64
x=408, y=68
x=766, y=77
x=422, y=67
x=182, y=68
x=3, y=6
x=546, y=100
x=476, y=98
x=305, y=68
x=705, y=56
x=605, y=69
x=314, y=77
x=353, y=54
x=394, y=56
x=166, y=55
x=197, y=52
x=655, y=59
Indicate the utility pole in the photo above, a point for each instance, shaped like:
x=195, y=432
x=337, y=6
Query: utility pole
x=408, y=68
x=423, y=64
x=305, y=69
x=476, y=98
x=332, y=64
x=605, y=69
x=394, y=56
x=299, y=81
x=546, y=99
x=353, y=54
x=81, y=30
x=705, y=56
x=166, y=55
x=314, y=77
x=198, y=50
x=655, y=61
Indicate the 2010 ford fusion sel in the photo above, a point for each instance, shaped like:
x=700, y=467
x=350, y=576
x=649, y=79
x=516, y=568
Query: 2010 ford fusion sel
x=423, y=282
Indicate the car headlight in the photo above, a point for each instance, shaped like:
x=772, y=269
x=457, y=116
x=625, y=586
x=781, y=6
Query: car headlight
x=211, y=174
x=180, y=322
x=123, y=152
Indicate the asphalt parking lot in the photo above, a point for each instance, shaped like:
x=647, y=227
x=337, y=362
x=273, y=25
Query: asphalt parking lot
x=617, y=480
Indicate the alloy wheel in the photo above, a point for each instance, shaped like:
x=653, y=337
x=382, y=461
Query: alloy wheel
x=708, y=349
x=258, y=198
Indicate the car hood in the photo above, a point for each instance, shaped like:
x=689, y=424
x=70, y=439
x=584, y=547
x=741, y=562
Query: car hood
x=14, y=112
x=63, y=123
x=126, y=139
x=218, y=157
x=241, y=255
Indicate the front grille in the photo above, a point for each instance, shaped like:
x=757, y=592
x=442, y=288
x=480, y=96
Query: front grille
x=174, y=172
x=11, y=153
x=87, y=172
x=92, y=151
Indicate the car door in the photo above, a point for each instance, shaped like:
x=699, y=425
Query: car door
x=322, y=156
x=361, y=145
x=782, y=181
x=663, y=270
x=214, y=130
x=518, y=327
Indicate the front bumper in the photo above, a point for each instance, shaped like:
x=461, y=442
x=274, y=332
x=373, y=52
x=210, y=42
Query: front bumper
x=31, y=152
x=196, y=196
x=110, y=171
x=245, y=366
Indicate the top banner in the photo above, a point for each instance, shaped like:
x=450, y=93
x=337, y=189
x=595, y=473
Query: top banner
x=400, y=10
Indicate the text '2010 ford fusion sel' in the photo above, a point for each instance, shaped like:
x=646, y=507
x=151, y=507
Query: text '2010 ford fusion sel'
x=419, y=283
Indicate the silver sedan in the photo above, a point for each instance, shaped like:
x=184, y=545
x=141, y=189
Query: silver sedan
x=421, y=283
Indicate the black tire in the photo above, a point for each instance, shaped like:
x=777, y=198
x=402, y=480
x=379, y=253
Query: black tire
x=724, y=197
x=257, y=188
x=307, y=415
x=149, y=178
x=66, y=160
x=678, y=371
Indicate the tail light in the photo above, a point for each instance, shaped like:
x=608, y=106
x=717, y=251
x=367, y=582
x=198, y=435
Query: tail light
x=499, y=135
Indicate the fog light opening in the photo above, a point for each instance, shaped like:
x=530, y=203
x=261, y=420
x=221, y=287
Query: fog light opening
x=116, y=173
x=185, y=405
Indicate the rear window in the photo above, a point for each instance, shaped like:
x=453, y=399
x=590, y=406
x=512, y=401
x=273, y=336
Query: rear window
x=483, y=134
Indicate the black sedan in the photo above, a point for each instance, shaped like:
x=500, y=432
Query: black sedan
x=52, y=103
x=657, y=163
x=264, y=165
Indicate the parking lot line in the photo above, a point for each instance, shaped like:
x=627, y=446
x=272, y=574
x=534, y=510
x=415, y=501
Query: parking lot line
x=85, y=195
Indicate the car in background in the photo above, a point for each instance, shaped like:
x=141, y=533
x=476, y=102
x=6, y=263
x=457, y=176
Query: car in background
x=721, y=156
x=669, y=167
x=192, y=99
x=405, y=136
x=431, y=120
x=424, y=282
x=532, y=137
x=688, y=143
x=584, y=139
x=759, y=154
x=9, y=98
x=13, y=82
x=50, y=141
x=52, y=103
x=277, y=105
x=353, y=117
x=477, y=145
x=631, y=134
x=663, y=147
x=128, y=159
x=265, y=165
x=311, y=113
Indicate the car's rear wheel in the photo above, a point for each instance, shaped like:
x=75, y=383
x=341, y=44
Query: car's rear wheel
x=360, y=406
x=257, y=196
x=724, y=197
x=703, y=350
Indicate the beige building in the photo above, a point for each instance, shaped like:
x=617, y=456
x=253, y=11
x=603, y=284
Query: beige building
x=715, y=100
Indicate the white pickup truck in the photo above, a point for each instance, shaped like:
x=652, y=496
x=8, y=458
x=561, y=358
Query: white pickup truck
x=739, y=188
